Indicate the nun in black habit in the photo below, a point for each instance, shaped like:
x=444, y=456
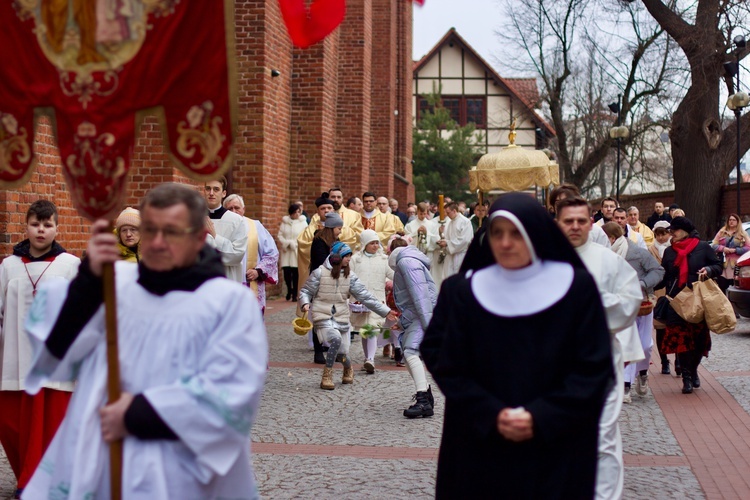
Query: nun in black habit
x=520, y=348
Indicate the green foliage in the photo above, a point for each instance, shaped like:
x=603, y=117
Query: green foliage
x=443, y=153
x=371, y=331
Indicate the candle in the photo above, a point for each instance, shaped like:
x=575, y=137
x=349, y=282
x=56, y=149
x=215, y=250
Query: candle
x=441, y=207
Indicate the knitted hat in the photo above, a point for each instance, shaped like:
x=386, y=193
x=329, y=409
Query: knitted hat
x=333, y=220
x=368, y=236
x=662, y=224
x=323, y=200
x=673, y=206
x=128, y=217
x=682, y=223
x=340, y=249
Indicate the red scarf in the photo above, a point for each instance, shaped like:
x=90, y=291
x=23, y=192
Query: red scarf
x=683, y=249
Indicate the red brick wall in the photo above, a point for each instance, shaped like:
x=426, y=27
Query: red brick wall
x=404, y=191
x=314, y=97
x=645, y=202
x=353, y=120
x=384, y=102
x=46, y=182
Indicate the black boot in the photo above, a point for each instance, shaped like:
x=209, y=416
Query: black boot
x=421, y=407
x=677, y=365
x=696, y=381
x=687, y=378
x=660, y=332
x=430, y=397
x=665, y=365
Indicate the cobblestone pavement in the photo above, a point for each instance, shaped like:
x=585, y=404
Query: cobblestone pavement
x=354, y=442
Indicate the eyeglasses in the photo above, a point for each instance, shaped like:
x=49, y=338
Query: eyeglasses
x=170, y=234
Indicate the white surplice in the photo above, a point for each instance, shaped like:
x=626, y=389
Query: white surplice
x=621, y=296
x=458, y=234
x=16, y=293
x=198, y=357
x=231, y=241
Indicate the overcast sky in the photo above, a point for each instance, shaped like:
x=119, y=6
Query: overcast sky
x=475, y=20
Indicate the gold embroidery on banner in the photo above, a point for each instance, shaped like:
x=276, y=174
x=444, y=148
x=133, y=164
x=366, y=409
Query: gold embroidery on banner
x=200, y=134
x=90, y=150
x=86, y=87
x=13, y=144
x=91, y=39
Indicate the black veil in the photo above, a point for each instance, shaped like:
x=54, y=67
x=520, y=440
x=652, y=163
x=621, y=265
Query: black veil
x=548, y=241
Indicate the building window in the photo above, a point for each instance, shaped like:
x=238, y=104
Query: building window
x=463, y=109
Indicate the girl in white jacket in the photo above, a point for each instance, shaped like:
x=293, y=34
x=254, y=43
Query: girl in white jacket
x=371, y=266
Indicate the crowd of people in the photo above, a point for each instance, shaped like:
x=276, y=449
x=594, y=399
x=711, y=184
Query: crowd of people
x=479, y=296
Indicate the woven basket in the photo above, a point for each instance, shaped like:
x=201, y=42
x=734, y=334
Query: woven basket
x=302, y=325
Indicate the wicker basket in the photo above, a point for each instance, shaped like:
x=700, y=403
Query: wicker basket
x=302, y=325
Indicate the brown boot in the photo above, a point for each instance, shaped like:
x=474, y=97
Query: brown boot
x=348, y=377
x=327, y=380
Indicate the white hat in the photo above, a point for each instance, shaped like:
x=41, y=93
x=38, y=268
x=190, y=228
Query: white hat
x=661, y=224
x=368, y=236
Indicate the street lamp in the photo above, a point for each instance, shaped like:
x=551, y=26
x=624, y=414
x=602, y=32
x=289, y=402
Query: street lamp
x=618, y=133
x=737, y=102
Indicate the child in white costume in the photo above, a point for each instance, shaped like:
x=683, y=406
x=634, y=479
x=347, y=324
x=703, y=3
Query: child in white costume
x=371, y=266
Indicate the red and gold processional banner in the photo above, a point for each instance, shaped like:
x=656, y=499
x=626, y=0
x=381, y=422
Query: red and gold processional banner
x=96, y=68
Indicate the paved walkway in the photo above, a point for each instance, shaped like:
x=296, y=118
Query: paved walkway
x=353, y=441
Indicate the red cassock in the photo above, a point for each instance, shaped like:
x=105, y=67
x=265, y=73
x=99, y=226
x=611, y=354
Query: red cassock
x=94, y=68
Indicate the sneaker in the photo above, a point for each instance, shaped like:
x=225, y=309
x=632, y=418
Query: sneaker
x=641, y=385
x=369, y=367
x=627, y=399
x=421, y=407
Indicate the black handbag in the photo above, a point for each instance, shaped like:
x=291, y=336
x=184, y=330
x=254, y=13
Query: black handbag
x=661, y=308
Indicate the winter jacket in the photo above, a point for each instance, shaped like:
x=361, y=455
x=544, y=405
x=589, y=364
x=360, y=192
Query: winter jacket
x=701, y=256
x=723, y=240
x=289, y=231
x=372, y=271
x=649, y=271
x=332, y=295
x=413, y=287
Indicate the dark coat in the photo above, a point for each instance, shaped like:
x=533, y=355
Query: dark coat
x=319, y=251
x=701, y=256
x=556, y=363
x=656, y=218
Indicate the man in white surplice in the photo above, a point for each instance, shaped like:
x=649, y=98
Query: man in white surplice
x=193, y=354
x=621, y=296
x=423, y=231
x=227, y=231
x=456, y=239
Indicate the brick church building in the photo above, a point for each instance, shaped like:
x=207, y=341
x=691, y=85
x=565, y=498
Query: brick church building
x=338, y=113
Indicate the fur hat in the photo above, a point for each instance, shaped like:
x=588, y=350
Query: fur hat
x=682, y=223
x=128, y=217
x=368, y=236
x=333, y=220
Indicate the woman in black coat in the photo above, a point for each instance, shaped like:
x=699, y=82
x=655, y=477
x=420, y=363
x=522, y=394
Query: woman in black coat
x=512, y=430
x=686, y=261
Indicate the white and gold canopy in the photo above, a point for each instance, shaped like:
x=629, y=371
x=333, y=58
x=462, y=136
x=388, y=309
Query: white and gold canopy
x=513, y=169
